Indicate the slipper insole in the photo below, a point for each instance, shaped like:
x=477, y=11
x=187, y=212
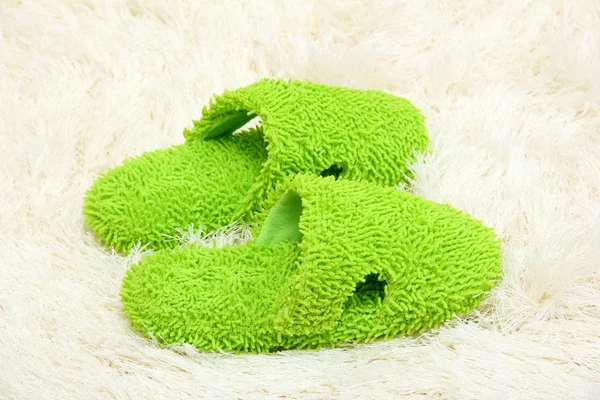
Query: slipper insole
x=198, y=182
x=224, y=298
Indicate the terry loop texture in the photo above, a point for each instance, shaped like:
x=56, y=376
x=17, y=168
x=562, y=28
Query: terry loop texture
x=511, y=95
x=310, y=128
x=373, y=262
x=201, y=183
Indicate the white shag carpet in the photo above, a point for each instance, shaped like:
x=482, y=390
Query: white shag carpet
x=510, y=90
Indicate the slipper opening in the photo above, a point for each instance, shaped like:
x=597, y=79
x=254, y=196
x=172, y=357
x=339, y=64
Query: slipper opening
x=283, y=221
x=334, y=170
x=374, y=285
x=367, y=293
x=228, y=124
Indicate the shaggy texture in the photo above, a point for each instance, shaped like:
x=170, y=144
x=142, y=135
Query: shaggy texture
x=370, y=263
x=210, y=181
x=510, y=92
x=199, y=182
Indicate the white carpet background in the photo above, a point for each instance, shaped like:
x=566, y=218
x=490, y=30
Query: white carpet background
x=510, y=90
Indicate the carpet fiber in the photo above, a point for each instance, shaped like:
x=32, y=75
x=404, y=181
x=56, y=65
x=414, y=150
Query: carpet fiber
x=510, y=93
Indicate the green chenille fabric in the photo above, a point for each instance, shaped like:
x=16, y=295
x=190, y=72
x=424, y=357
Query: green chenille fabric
x=216, y=177
x=367, y=262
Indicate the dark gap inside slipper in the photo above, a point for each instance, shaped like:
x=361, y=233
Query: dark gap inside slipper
x=283, y=221
x=367, y=295
x=372, y=286
x=335, y=171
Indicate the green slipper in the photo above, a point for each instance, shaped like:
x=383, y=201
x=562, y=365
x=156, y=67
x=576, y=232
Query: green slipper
x=216, y=178
x=334, y=262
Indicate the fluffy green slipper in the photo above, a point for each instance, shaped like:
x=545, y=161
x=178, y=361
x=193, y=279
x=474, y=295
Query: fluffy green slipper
x=216, y=178
x=334, y=262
